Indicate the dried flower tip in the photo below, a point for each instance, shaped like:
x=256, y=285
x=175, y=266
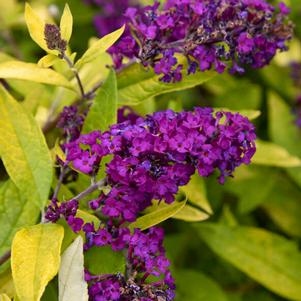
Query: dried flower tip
x=53, y=38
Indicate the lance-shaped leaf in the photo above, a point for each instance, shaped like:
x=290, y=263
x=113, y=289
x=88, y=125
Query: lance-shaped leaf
x=99, y=47
x=271, y=154
x=23, y=150
x=15, y=212
x=191, y=214
x=195, y=191
x=270, y=259
x=136, y=83
x=34, y=73
x=103, y=111
x=284, y=132
x=66, y=24
x=72, y=284
x=36, y=28
x=158, y=215
x=35, y=259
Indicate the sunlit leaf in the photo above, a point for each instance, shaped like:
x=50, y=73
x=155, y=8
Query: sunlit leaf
x=36, y=28
x=48, y=60
x=271, y=154
x=72, y=284
x=157, y=215
x=24, y=151
x=35, y=259
x=32, y=72
x=66, y=24
x=99, y=47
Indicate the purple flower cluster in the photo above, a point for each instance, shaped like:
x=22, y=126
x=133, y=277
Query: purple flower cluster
x=71, y=122
x=145, y=257
x=159, y=153
x=151, y=158
x=111, y=14
x=66, y=210
x=215, y=34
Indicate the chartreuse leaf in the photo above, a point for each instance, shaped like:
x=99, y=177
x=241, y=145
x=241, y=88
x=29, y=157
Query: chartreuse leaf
x=66, y=24
x=72, y=285
x=99, y=47
x=195, y=191
x=16, y=211
x=32, y=72
x=196, y=286
x=4, y=297
x=157, y=215
x=136, y=83
x=270, y=259
x=48, y=60
x=35, y=259
x=23, y=151
x=271, y=154
x=103, y=111
x=191, y=214
x=36, y=28
x=104, y=261
x=284, y=132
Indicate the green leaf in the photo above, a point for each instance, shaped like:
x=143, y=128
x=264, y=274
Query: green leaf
x=252, y=184
x=196, y=286
x=158, y=214
x=191, y=214
x=284, y=132
x=136, y=83
x=24, y=151
x=103, y=260
x=271, y=154
x=103, y=111
x=35, y=259
x=36, y=28
x=272, y=260
x=72, y=284
x=32, y=72
x=195, y=191
x=66, y=23
x=99, y=47
x=15, y=212
x=283, y=206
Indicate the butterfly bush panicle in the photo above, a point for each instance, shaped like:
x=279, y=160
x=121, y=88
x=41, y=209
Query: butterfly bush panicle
x=151, y=158
x=219, y=34
x=159, y=153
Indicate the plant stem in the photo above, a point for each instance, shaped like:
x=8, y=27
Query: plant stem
x=98, y=185
x=5, y=257
x=74, y=70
